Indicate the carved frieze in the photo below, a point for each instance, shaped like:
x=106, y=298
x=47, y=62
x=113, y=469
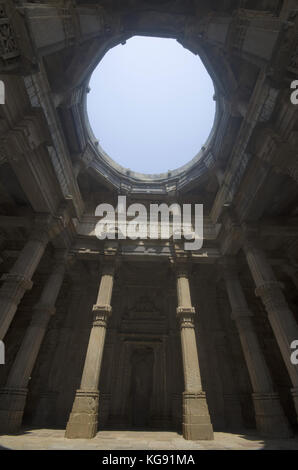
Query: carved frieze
x=144, y=317
x=144, y=308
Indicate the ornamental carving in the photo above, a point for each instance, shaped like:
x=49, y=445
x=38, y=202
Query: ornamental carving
x=143, y=308
x=186, y=316
x=101, y=313
x=9, y=50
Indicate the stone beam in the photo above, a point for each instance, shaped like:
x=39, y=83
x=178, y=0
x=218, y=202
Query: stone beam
x=10, y=222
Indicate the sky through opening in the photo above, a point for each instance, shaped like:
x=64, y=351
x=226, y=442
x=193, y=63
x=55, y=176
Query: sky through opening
x=151, y=104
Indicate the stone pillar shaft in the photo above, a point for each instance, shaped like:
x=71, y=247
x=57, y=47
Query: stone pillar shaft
x=83, y=420
x=18, y=280
x=196, y=419
x=183, y=290
x=102, y=310
x=92, y=367
x=106, y=286
x=282, y=321
x=13, y=396
x=43, y=310
x=257, y=368
x=270, y=418
x=192, y=376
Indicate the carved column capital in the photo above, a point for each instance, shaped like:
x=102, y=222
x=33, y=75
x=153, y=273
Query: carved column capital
x=108, y=267
x=181, y=266
x=111, y=248
x=180, y=260
x=110, y=261
x=182, y=270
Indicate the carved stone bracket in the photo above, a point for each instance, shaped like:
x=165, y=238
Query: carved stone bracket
x=198, y=395
x=20, y=281
x=101, y=314
x=186, y=316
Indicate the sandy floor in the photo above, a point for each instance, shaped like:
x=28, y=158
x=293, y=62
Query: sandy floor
x=39, y=439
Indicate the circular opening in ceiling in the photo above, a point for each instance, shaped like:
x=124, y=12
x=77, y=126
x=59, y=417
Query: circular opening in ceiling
x=151, y=105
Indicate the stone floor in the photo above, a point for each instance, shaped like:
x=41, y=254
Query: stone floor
x=51, y=439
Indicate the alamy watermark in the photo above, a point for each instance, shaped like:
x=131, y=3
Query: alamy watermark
x=2, y=353
x=2, y=92
x=294, y=94
x=160, y=222
x=294, y=355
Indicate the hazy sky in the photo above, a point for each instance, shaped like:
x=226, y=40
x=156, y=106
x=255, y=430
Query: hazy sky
x=151, y=104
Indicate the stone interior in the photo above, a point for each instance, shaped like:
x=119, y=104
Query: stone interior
x=120, y=335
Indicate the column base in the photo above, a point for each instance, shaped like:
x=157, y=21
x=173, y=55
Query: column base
x=12, y=405
x=270, y=418
x=83, y=419
x=196, y=423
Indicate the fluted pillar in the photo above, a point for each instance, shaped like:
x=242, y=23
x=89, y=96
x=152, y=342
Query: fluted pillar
x=270, y=417
x=13, y=396
x=196, y=419
x=18, y=280
x=83, y=419
x=281, y=318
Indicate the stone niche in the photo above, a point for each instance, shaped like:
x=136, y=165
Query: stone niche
x=141, y=396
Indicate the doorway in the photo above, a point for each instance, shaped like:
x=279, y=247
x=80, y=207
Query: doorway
x=142, y=360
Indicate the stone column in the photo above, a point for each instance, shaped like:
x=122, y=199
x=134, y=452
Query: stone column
x=18, y=280
x=83, y=419
x=270, y=418
x=196, y=419
x=282, y=321
x=13, y=396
